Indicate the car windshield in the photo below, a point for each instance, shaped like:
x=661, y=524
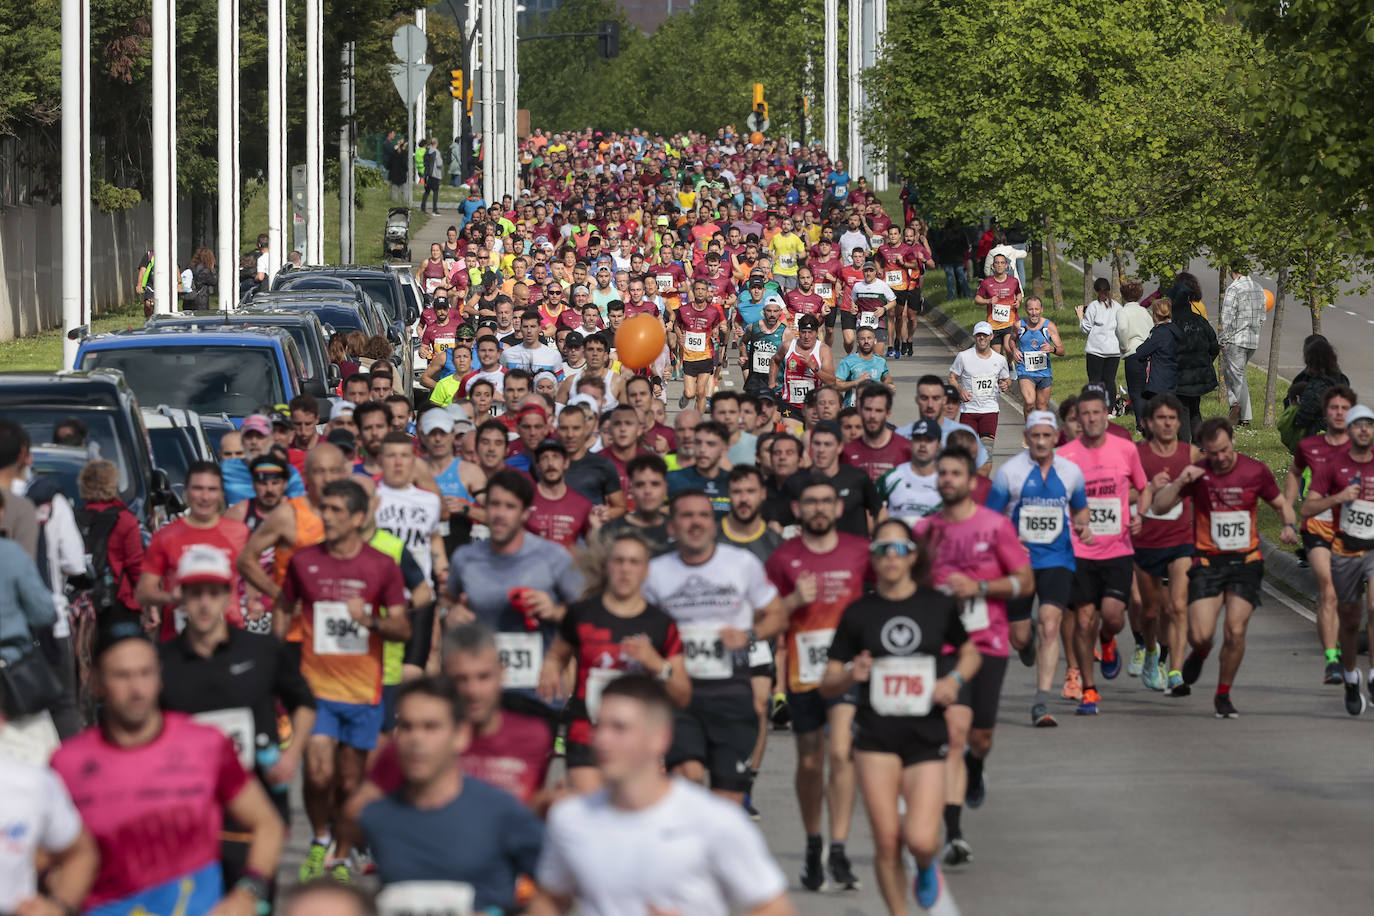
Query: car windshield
x=173, y=453
x=64, y=471
x=207, y=379
x=383, y=293
x=103, y=436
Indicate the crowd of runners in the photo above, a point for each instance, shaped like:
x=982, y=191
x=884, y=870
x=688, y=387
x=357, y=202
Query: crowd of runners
x=526, y=645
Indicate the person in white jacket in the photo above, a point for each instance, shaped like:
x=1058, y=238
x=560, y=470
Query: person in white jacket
x=1098, y=320
x=1010, y=253
x=1133, y=325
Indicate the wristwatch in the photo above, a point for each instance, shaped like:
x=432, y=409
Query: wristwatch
x=665, y=672
x=982, y=588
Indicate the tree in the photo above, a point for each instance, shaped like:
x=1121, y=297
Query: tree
x=30, y=64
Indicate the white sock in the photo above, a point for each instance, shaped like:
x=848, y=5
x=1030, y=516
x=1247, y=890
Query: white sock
x=325, y=839
x=1352, y=676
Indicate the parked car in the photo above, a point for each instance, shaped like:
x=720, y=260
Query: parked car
x=178, y=440
x=233, y=370
x=108, y=407
x=321, y=376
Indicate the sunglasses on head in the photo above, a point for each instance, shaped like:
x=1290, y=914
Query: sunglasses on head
x=892, y=548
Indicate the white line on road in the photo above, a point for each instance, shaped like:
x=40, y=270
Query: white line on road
x=1287, y=602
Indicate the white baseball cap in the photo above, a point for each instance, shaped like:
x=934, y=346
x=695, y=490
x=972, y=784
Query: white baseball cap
x=1042, y=418
x=341, y=409
x=982, y=327
x=436, y=419
x=584, y=400
x=202, y=563
x=1358, y=412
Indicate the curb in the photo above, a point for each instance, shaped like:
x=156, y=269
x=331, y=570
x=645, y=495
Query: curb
x=1280, y=566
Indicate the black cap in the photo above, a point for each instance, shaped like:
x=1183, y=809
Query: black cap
x=550, y=445
x=574, y=339
x=343, y=439
x=767, y=395
x=115, y=633
x=951, y=392
x=808, y=323
x=440, y=302
x=925, y=429
x=279, y=418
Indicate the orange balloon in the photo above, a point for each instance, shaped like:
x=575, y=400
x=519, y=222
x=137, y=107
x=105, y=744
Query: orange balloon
x=1268, y=301
x=640, y=341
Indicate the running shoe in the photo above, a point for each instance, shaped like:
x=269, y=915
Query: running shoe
x=813, y=872
x=1041, y=718
x=1176, y=686
x=1111, y=660
x=313, y=866
x=340, y=873
x=749, y=808
x=975, y=793
x=1192, y=667
x=682, y=403
x=1152, y=676
x=1027, y=652
x=1354, y=699
x=1137, y=662
x=1333, y=673
x=1224, y=707
x=1088, y=705
x=841, y=875
x=910, y=348
x=560, y=746
x=780, y=715
x=1073, y=685
x=957, y=852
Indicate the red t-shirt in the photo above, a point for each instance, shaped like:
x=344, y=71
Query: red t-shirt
x=982, y=486
x=894, y=272
x=1225, y=507
x=668, y=279
x=514, y=758
x=342, y=661
x=696, y=327
x=800, y=303
x=1175, y=527
x=1314, y=452
x=1002, y=311
x=164, y=554
x=875, y=462
x=1352, y=523
x=563, y=520
x=849, y=276
x=596, y=635
x=840, y=575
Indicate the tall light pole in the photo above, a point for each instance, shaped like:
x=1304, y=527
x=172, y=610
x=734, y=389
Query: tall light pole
x=855, y=152
x=314, y=132
x=164, y=20
x=347, y=109
x=227, y=48
x=831, y=89
x=879, y=161
x=421, y=22
x=276, y=134
x=76, y=173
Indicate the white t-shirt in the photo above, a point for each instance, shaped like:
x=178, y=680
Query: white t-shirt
x=725, y=590
x=533, y=359
x=35, y=813
x=412, y=515
x=979, y=378
x=910, y=497
x=851, y=239
x=690, y=853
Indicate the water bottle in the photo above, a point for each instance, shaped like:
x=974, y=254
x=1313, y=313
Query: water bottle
x=268, y=755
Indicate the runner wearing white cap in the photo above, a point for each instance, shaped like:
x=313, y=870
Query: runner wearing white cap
x=978, y=374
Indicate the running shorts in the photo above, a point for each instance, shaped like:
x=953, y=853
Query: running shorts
x=1214, y=576
x=1096, y=580
x=1349, y=574
x=718, y=731
x=981, y=694
x=1155, y=561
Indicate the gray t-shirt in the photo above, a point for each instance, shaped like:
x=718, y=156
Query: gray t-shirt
x=594, y=477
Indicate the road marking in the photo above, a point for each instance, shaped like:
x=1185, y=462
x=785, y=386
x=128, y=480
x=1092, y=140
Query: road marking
x=1289, y=603
x=1348, y=312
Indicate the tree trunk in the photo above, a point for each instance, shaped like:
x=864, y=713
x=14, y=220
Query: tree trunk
x=1087, y=281
x=1313, y=306
x=1037, y=259
x=1052, y=253
x=1116, y=274
x=1271, y=382
x=1222, y=276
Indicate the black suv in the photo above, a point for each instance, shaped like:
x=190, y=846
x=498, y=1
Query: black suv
x=321, y=376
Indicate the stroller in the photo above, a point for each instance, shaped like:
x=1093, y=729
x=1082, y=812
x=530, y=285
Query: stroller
x=396, y=235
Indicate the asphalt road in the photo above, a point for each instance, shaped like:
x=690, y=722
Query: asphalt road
x=1155, y=806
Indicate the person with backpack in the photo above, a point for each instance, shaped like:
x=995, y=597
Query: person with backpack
x=114, y=542
x=1304, y=413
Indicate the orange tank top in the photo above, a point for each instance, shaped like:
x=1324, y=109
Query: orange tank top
x=309, y=530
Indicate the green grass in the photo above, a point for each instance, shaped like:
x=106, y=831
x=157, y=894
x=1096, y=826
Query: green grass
x=368, y=223
x=42, y=352
x=1070, y=374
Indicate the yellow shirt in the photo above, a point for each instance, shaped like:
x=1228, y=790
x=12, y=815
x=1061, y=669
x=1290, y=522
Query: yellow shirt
x=787, y=251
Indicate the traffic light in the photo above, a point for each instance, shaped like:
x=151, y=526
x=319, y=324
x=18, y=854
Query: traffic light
x=760, y=106
x=455, y=83
x=608, y=39
x=469, y=101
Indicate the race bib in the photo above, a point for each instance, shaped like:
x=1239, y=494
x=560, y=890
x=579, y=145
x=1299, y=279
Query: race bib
x=825, y=290
x=787, y=261
x=798, y=389
x=1357, y=519
x=984, y=385
x=597, y=679
x=760, y=653
x=433, y=283
x=894, y=278
x=706, y=656
x=694, y=341
x=902, y=686
x=1104, y=516
x=1169, y=516
x=1001, y=312
x=813, y=651
x=763, y=360
x=664, y=282
x=336, y=632
x=444, y=343
x=868, y=319
x=1040, y=524
x=975, y=614
x=237, y=726
x=522, y=655
x=1035, y=361
x=1231, y=530
x=426, y=898
x=1323, y=516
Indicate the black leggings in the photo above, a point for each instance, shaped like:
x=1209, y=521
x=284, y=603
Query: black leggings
x=1102, y=369
x=1192, y=417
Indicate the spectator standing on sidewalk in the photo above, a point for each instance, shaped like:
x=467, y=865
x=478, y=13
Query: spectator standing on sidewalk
x=1242, y=313
x=433, y=172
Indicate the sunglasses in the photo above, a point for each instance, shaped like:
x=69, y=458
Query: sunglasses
x=891, y=548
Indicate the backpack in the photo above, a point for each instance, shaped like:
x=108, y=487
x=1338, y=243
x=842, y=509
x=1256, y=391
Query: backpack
x=96, y=529
x=1289, y=433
